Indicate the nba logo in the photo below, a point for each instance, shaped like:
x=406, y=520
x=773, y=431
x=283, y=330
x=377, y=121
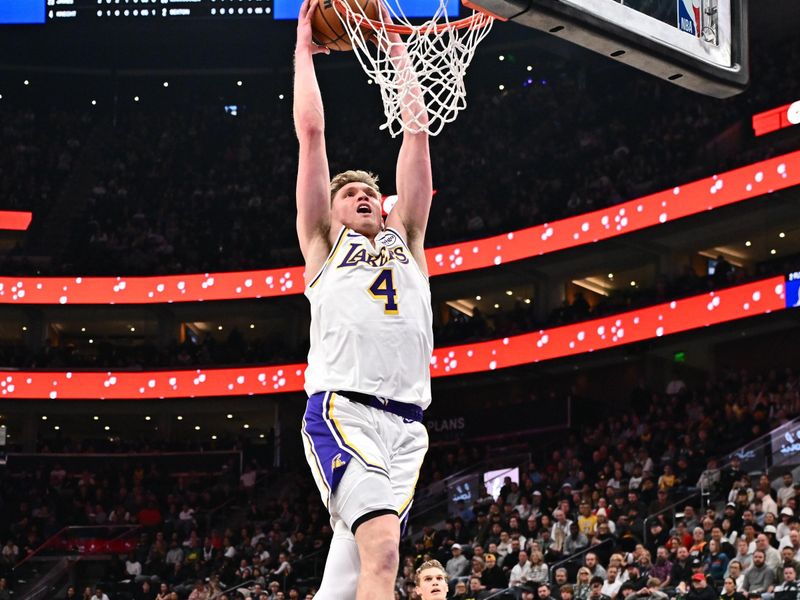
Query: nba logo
x=689, y=15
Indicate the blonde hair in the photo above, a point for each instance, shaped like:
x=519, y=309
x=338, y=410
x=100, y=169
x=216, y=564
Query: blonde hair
x=342, y=179
x=428, y=564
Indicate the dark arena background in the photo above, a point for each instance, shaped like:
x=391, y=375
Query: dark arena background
x=615, y=273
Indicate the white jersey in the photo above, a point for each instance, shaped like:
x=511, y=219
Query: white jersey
x=371, y=321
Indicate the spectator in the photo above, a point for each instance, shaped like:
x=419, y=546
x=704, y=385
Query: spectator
x=759, y=577
x=493, y=577
x=521, y=573
x=458, y=564
x=771, y=555
x=716, y=562
x=789, y=589
x=582, y=585
x=700, y=589
x=144, y=591
x=612, y=583
x=736, y=573
x=543, y=591
x=538, y=568
x=596, y=589
x=594, y=566
x=99, y=594
x=731, y=592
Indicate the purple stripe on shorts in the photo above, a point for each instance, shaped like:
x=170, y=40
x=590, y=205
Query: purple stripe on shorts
x=332, y=459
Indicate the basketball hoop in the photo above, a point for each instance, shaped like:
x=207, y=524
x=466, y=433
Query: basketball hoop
x=438, y=53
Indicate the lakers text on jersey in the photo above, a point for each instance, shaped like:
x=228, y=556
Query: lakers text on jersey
x=371, y=321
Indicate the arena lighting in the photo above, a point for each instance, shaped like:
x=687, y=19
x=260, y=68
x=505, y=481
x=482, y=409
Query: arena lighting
x=696, y=312
x=698, y=197
x=748, y=243
x=15, y=220
x=776, y=118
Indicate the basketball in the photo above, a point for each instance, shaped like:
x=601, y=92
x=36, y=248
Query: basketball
x=328, y=30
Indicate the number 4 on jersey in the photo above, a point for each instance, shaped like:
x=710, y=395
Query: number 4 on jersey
x=383, y=289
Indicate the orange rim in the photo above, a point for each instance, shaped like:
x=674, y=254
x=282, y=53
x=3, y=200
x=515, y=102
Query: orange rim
x=477, y=19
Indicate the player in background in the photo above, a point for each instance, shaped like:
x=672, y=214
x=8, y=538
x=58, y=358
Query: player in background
x=368, y=378
x=431, y=581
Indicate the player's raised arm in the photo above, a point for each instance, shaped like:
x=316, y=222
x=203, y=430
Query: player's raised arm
x=313, y=197
x=414, y=179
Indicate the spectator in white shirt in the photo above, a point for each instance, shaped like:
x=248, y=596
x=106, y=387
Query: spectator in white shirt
x=612, y=583
x=98, y=594
x=521, y=573
x=10, y=552
x=132, y=566
x=783, y=529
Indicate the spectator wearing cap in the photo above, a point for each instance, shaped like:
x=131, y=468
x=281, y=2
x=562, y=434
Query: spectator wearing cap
x=784, y=527
x=700, y=590
x=493, y=577
x=759, y=577
x=458, y=565
x=771, y=555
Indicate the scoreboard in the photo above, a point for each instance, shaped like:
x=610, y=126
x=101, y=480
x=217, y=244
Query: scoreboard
x=38, y=12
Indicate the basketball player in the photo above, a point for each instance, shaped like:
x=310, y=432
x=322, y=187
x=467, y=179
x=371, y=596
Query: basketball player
x=431, y=581
x=368, y=377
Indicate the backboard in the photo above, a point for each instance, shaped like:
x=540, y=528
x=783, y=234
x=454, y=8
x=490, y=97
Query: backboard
x=697, y=44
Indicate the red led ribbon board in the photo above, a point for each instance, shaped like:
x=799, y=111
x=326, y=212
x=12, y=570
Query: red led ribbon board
x=776, y=118
x=15, y=220
x=647, y=323
x=733, y=186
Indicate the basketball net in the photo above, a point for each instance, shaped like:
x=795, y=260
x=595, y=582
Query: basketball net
x=423, y=89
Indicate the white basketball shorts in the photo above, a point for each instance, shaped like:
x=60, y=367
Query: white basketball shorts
x=364, y=459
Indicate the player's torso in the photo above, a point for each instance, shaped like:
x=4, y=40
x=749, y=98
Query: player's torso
x=371, y=320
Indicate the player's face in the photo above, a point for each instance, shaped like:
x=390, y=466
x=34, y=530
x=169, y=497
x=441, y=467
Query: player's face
x=432, y=584
x=358, y=206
